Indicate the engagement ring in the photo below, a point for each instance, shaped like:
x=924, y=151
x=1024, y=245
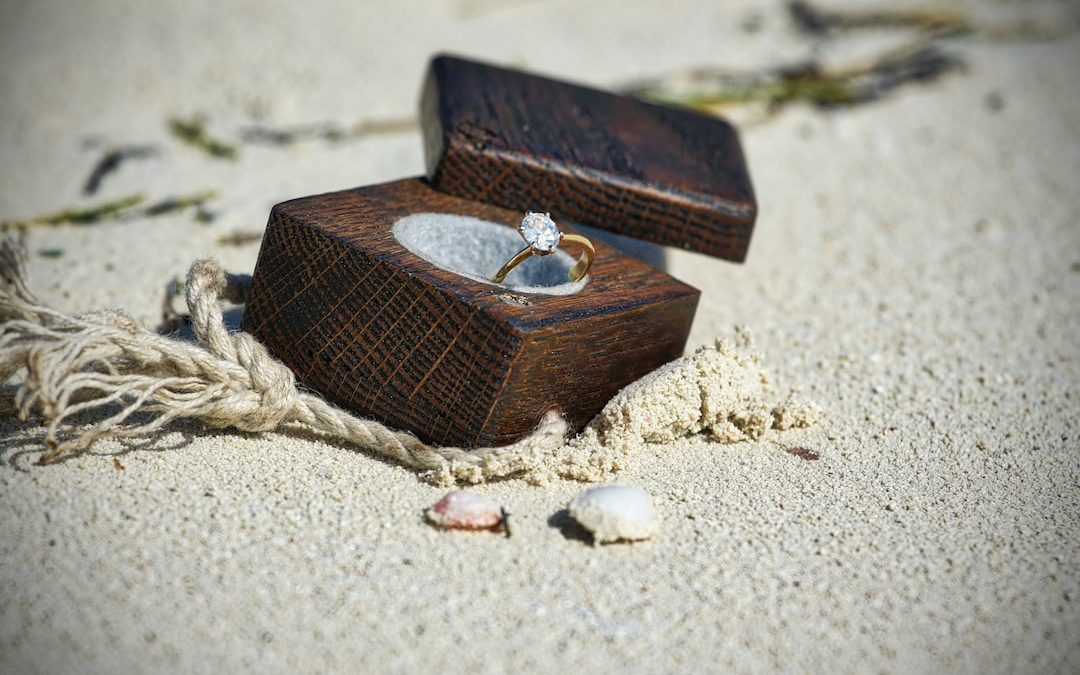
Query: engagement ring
x=543, y=236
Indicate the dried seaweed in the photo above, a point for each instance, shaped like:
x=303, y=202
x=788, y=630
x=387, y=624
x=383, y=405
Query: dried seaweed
x=86, y=215
x=111, y=161
x=325, y=131
x=708, y=90
x=193, y=132
x=937, y=22
x=173, y=204
x=124, y=208
x=931, y=22
x=240, y=237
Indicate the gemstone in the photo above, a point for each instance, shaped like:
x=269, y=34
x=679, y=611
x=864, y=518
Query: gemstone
x=540, y=232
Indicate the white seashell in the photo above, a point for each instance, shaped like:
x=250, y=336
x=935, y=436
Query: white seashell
x=465, y=511
x=614, y=512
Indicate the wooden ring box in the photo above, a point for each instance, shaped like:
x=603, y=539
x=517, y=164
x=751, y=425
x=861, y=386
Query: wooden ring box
x=389, y=334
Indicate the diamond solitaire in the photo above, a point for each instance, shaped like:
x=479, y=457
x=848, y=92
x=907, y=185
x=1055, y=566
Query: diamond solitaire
x=540, y=232
x=543, y=236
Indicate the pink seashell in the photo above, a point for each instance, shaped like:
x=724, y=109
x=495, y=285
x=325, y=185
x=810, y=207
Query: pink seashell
x=465, y=511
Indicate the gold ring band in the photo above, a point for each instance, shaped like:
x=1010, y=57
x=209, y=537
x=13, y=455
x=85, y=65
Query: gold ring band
x=543, y=237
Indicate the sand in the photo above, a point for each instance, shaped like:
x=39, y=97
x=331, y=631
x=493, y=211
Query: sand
x=915, y=275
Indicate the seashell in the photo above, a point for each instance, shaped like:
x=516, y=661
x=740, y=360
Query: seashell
x=614, y=512
x=465, y=511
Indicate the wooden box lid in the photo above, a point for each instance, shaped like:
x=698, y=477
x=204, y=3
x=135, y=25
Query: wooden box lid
x=529, y=143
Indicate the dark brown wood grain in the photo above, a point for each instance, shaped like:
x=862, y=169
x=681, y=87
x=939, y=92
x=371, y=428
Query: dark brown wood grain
x=655, y=173
x=387, y=334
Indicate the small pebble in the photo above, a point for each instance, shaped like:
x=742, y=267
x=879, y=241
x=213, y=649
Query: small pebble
x=463, y=510
x=614, y=513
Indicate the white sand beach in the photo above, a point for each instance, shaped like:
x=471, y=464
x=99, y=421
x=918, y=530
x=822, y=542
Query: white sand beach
x=914, y=275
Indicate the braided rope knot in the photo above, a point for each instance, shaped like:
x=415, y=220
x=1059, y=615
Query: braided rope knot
x=264, y=394
x=273, y=388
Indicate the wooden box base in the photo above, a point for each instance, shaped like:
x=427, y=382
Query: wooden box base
x=387, y=334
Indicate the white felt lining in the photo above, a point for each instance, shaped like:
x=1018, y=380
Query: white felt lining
x=476, y=249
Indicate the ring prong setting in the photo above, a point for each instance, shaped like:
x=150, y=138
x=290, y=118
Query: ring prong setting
x=540, y=232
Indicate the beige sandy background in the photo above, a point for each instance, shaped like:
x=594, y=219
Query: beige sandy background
x=915, y=273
